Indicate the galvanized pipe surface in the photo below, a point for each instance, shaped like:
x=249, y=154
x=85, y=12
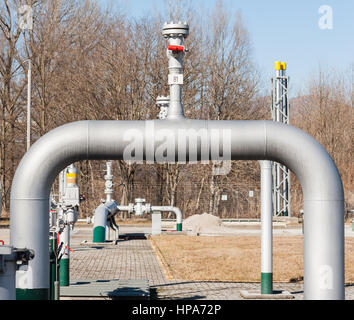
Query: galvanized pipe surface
x=175, y=34
x=246, y=140
x=124, y=208
x=109, y=178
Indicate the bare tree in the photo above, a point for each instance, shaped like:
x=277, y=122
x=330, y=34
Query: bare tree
x=324, y=111
x=11, y=88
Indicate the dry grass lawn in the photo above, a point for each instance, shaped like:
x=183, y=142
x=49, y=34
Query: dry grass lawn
x=202, y=258
x=134, y=221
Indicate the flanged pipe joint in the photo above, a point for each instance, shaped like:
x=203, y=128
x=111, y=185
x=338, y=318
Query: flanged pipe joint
x=141, y=207
x=163, y=103
x=175, y=30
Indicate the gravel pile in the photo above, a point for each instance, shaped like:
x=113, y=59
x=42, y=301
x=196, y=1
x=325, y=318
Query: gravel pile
x=205, y=223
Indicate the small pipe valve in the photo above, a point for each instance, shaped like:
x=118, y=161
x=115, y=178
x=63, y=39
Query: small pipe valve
x=175, y=48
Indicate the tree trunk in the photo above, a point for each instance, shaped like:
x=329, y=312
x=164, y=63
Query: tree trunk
x=199, y=195
x=212, y=193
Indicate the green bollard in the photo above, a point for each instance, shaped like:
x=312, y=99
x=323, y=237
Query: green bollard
x=64, y=272
x=99, y=234
x=266, y=283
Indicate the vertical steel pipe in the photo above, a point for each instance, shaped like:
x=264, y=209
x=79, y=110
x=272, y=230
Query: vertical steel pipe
x=175, y=33
x=266, y=228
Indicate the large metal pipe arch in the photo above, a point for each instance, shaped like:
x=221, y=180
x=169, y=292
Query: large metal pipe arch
x=250, y=140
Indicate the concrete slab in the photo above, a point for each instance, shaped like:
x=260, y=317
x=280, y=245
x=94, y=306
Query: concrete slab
x=277, y=295
x=98, y=244
x=175, y=233
x=113, y=289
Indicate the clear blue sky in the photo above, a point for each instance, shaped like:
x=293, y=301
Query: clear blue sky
x=286, y=30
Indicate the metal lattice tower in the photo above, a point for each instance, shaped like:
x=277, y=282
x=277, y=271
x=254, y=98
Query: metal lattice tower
x=280, y=113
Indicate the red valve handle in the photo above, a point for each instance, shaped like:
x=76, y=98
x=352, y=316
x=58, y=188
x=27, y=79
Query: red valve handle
x=3, y=242
x=175, y=48
x=67, y=247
